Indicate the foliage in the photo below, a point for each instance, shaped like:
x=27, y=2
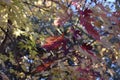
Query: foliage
x=59, y=40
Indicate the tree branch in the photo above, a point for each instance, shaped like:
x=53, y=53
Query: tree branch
x=2, y=45
x=4, y=41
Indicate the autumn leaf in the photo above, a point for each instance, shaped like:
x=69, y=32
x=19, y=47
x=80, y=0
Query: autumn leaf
x=90, y=29
x=43, y=67
x=54, y=42
x=87, y=47
x=87, y=12
x=85, y=20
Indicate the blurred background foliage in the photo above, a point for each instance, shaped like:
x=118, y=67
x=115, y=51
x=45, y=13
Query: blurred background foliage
x=59, y=39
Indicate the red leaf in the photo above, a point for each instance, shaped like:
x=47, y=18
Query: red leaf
x=90, y=29
x=40, y=68
x=87, y=48
x=43, y=67
x=87, y=12
x=85, y=20
x=53, y=43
